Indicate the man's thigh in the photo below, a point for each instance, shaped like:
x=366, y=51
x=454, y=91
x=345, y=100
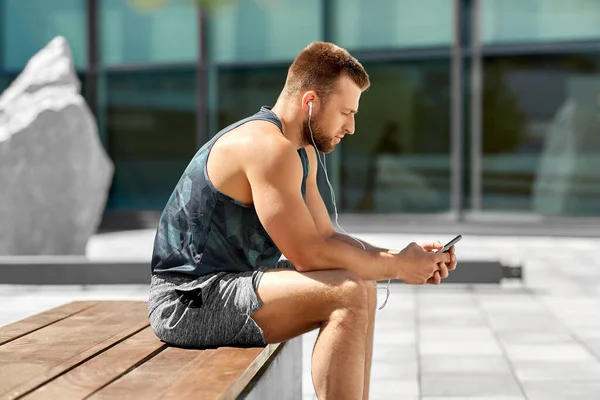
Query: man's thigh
x=297, y=302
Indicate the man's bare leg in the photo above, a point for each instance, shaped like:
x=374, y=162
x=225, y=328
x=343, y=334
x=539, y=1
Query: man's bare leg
x=334, y=300
x=372, y=304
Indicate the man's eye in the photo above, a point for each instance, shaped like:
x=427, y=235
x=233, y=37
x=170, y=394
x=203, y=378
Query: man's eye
x=346, y=113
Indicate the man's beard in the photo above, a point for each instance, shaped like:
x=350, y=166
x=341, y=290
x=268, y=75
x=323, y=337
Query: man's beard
x=323, y=141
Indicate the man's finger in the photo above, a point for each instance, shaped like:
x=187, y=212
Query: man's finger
x=443, y=270
x=431, y=246
x=451, y=250
x=434, y=280
x=452, y=264
x=442, y=257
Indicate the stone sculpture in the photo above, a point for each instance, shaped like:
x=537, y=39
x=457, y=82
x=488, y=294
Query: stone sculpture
x=54, y=172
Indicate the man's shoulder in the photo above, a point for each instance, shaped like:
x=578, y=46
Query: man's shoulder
x=263, y=139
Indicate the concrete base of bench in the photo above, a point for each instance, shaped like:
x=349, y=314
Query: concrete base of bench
x=282, y=377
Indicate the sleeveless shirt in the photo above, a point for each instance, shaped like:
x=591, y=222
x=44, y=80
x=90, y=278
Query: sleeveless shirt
x=202, y=230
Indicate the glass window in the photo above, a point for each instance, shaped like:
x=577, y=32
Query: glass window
x=30, y=24
x=541, y=147
x=150, y=122
x=131, y=33
x=263, y=30
x=398, y=160
x=383, y=24
x=509, y=21
x=242, y=91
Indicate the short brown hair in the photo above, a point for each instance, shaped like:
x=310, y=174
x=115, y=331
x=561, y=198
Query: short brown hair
x=319, y=66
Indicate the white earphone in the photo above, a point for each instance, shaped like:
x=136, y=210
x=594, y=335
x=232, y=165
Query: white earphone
x=324, y=165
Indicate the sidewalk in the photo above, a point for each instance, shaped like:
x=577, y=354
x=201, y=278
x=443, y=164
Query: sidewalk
x=538, y=339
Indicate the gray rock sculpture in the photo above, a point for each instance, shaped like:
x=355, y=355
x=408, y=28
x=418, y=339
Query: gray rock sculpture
x=54, y=172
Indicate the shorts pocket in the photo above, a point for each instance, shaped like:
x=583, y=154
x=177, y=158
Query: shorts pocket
x=194, y=294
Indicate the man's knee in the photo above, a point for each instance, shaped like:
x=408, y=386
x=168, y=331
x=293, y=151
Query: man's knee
x=354, y=291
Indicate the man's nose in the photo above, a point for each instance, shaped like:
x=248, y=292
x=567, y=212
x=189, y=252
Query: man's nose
x=349, y=128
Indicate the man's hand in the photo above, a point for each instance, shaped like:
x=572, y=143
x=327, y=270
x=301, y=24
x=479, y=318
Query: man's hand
x=443, y=268
x=419, y=264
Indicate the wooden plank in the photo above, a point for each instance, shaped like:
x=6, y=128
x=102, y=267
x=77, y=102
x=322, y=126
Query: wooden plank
x=101, y=370
x=79, y=359
x=38, y=321
x=223, y=375
x=46, y=353
x=151, y=379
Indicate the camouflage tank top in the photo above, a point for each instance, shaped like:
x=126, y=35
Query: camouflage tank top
x=202, y=230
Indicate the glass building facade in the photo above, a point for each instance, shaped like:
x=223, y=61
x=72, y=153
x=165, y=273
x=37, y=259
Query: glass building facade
x=477, y=107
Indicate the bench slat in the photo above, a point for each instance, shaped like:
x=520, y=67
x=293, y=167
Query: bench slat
x=102, y=369
x=223, y=375
x=21, y=328
x=36, y=358
x=151, y=379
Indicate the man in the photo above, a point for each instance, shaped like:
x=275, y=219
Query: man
x=249, y=195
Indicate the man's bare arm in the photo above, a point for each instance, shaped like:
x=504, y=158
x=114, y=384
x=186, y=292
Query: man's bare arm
x=368, y=247
x=275, y=181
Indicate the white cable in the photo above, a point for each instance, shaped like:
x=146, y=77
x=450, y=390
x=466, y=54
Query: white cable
x=331, y=191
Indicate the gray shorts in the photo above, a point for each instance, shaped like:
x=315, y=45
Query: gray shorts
x=210, y=311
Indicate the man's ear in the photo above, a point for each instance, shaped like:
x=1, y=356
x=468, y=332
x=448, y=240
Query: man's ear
x=310, y=97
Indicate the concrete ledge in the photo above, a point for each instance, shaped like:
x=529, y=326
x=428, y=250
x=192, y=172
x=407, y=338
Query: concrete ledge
x=76, y=270
x=477, y=272
x=71, y=270
x=281, y=377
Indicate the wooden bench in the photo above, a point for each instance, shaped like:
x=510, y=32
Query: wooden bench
x=107, y=350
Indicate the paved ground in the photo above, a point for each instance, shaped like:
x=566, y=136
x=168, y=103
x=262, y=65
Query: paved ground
x=538, y=339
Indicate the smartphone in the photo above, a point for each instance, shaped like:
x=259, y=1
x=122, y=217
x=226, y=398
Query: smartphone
x=450, y=244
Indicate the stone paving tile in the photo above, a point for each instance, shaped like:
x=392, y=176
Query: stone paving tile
x=394, y=353
x=432, y=314
x=448, y=300
x=437, y=310
x=456, y=321
x=469, y=385
x=593, y=347
x=429, y=333
x=535, y=338
x=554, y=352
x=502, y=301
x=468, y=348
x=394, y=322
x=520, y=321
x=460, y=364
x=395, y=389
x=551, y=390
x=558, y=371
x=389, y=370
x=474, y=398
x=399, y=337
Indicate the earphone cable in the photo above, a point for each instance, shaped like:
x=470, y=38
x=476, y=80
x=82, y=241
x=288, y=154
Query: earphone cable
x=332, y=193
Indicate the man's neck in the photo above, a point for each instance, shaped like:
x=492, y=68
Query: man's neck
x=291, y=118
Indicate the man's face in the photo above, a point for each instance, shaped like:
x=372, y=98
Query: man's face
x=335, y=119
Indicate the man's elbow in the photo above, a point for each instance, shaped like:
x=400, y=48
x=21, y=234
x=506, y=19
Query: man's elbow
x=309, y=257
